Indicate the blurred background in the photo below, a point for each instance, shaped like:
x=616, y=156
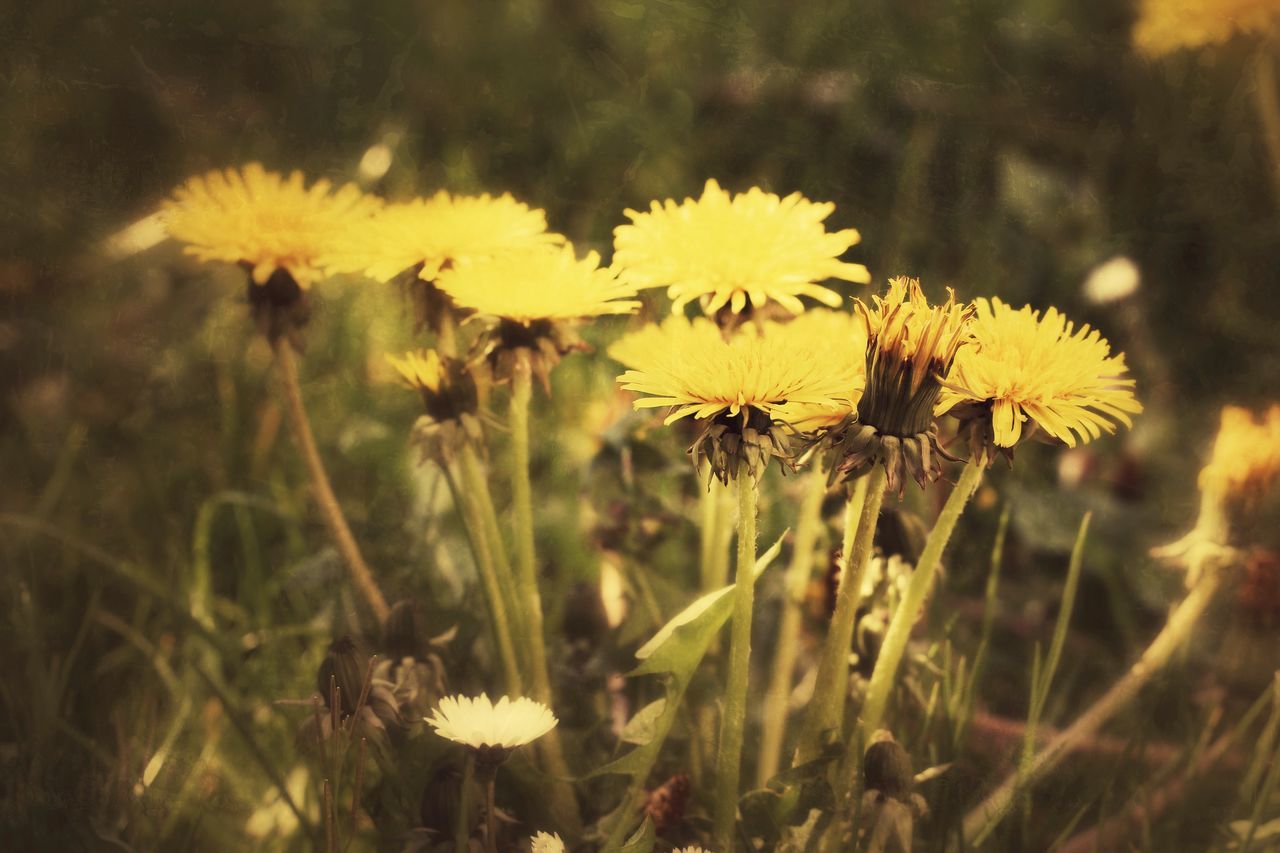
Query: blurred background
x=1021, y=149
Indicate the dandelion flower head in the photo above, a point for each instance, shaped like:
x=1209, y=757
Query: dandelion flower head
x=1026, y=366
x=263, y=220
x=691, y=367
x=1165, y=26
x=546, y=842
x=1246, y=453
x=736, y=251
x=421, y=369
x=479, y=722
x=435, y=233
x=549, y=283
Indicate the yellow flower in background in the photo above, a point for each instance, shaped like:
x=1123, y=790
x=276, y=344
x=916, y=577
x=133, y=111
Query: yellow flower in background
x=691, y=367
x=478, y=722
x=546, y=842
x=1246, y=454
x=1027, y=367
x=539, y=284
x=1164, y=26
x=435, y=233
x=910, y=347
x=737, y=251
x=261, y=219
x=421, y=369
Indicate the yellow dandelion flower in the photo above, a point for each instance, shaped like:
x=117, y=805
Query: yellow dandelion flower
x=264, y=221
x=1246, y=454
x=910, y=347
x=450, y=399
x=750, y=389
x=479, y=723
x=541, y=284
x=1025, y=367
x=689, y=366
x=546, y=842
x=841, y=337
x=737, y=251
x=1165, y=26
x=432, y=234
x=421, y=369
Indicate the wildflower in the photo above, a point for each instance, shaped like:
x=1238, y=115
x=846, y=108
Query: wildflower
x=1024, y=368
x=749, y=390
x=546, y=842
x=1165, y=26
x=531, y=300
x=426, y=236
x=449, y=397
x=737, y=252
x=1246, y=454
x=490, y=730
x=910, y=347
x=276, y=228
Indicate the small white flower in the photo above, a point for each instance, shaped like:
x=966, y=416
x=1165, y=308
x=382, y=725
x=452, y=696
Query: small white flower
x=478, y=722
x=543, y=842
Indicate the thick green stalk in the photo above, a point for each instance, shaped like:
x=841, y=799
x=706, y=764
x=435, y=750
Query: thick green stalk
x=563, y=801
x=826, y=709
x=808, y=529
x=467, y=501
x=904, y=618
x=477, y=486
x=733, y=717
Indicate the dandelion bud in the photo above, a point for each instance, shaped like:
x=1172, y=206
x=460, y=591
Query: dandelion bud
x=345, y=669
x=910, y=348
x=886, y=767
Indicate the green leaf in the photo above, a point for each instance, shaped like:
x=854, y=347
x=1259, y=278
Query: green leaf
x=642, y=840
x=679, y=645
x=640, y=728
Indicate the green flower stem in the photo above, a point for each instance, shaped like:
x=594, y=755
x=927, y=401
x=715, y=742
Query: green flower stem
x=563, y=801
x=982, y=819
x=466, y=498
x=715, y=511
x=477, y=485
x=904, y=618
x=357, y=569
x=808, y=529
x=826, y=709
x=462, y=830
x=733, y=717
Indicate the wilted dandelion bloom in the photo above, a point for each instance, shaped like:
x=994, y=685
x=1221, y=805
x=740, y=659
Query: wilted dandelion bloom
x=449, y=397
x=478, y=723
x=1164, y=26
x=1037, y=371
x=546, y=842
x=910, y=347
x=531, y=299
x=277, y=228
x=750, y=389
x=1246, y=454
x=740, y=251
